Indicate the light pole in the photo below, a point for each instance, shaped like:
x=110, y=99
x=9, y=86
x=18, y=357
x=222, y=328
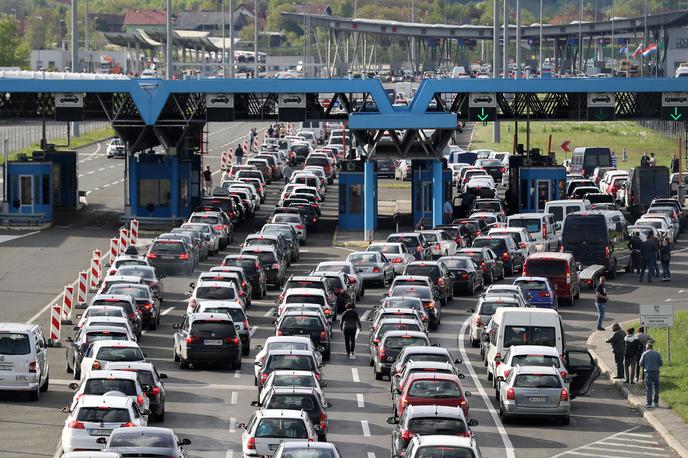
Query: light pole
x=224, y=47
x=495, y=60
x=540, y=44
x=517, y=75
x=168, y=38
x=506, y=40
x=85, y=25
x=255, y=39
x=75, y=40
x=580, y=37
x=231, y=38
x=645, y=42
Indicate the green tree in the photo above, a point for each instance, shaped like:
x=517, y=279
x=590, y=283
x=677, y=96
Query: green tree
x=14, y=52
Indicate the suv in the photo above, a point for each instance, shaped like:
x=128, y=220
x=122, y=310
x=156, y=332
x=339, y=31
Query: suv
x=505, y=248
x=415, y=244
x=306, y=323
x=439, y=274
x=299, y=398
x=561, y=271
x=207, y=337
x=171, y=255
x=254, y=273
x=391, y=345
x=23, y=359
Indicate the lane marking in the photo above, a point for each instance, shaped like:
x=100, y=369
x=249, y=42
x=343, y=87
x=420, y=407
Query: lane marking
x=253, y=330
x=232, y=426
x=237, y=374
x=614, y=444
x=360, y=400
x=366, y=428
x=230, y=453
x=371, y=455
x=235, y=398
x=592, y=443
x=269, y=312
x=354, y=375
x=167, y=310
x=8, y=238
x=508, y=447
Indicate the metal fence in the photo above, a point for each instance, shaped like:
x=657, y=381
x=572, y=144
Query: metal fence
x=669, y=129
x=26, y=134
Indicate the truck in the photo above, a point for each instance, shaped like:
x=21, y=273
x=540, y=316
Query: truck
x=643, y=185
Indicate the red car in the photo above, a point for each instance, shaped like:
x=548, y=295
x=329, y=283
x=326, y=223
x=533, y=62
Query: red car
x=431, y=389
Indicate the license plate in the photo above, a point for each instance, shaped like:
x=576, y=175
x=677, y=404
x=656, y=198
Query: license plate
x=22, y=378
x=166, y=257
x=212, y=342
x=100, y=432
x=537, y=399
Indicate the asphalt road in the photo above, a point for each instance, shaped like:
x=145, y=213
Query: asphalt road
x=206, y=405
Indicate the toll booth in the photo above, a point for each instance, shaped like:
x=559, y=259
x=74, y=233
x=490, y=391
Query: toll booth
x=29, y=191
x=351, y=196
x=539, y=185
x=65, y=172
x=163, y=186
x=422, y=188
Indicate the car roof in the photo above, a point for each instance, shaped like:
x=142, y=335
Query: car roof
x=533, y=349
x=498, y=298
x=434, y=410
x=548, y=370
x=91, y=400
x=135, y=365
x=110, y=374
x=313, y=291
x=17, y=327
x=274, y=339
x=434, y=376
x=412, y=277
x=122, y=278
x=294, y=390
x=427, y=349
x=405, y=333
x=411, y=364
x=114, y=343
x=309, y=445
x=280, y=413
x=551, y=255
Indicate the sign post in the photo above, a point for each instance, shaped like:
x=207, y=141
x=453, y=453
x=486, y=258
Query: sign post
x=659, y=316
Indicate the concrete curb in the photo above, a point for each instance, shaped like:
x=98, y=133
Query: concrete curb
x=347, y=243
x=652, y=417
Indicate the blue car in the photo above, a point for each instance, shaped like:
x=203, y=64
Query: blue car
x=538, y=292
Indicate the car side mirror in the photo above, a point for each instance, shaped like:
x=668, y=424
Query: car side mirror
x=176, y=326
x=101, y=440
x=76, y=328
x=66, y=409
x=241, y=425
x=500, y=379
x=461, y=376
x=185, y=442
x=255, y=404
x=69, y=339
x=467, y=394
x=328, y=405
x=470, y=310
x=73, y=386
x=192, y=285
x=162, y=376
x=78, y=317
x=567, y=380
x=473, y=422
x=391, y=421
x=458, y=361
x=259, y=347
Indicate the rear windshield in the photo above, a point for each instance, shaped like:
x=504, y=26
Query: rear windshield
x=489, y=308
x=584, y=228
x=286, y=218
x=167, y=248
x=435, y=425
x=532, y=285
x=430, y=270
x=294, y=380
x=532, y=224
x=136, y=293
x=292, y=428
x=266, y=257
x=403, y=303
x=497, y=245
x=101, y=386
x=213, y=329
x=302, y=322
x=100, y=415
x=303, y=402
x=286, y=346
x=412, y=242
x=535, y=360
x=102, y=312
x=384, y=328
x=530, y=335
x=14, y=344
x=405, y=341
x=147, y=439
x=457, y=263
x=546, y=268
x=120, y=354
x=434, y=389
x=395, y=249
x=321, y=161
x=305, y=299
x=143, y=273
x=362, y=258
x=215, y=293
x=443, y=451
x=597, y=158
x=291, y=362
x=235, y=313
x=413, y=291
x=537, y=381
x=248, y=264
x=105, y=335
x=115, y=303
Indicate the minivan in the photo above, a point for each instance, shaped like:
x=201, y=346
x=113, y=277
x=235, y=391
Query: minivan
x=561, y=271
x=23, y=359
x=598, y=237
x=542, y=228
x=561, y=208
x=586, y=159
x=522, y=326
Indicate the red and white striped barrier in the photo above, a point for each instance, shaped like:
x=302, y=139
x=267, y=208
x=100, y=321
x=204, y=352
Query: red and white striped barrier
x=55, y=324
x=96, y=273
x=134, y=232
x=256, y=145
x=224, y=160
x=67, y=303
x=123, y=240
x=114, y=249
x=82, y=287
x=244, y=146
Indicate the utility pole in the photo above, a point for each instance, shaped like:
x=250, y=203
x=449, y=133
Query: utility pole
x=505, y=67
x=413, y=39
x=75, y=40
x=168, y=37
x=255, y=39
x=645, y=43
x=541, y=43
x=85, y=25
x=495, y=60
x=518, y=39
x=224, y=47
x=580, y=37
x=231, y=38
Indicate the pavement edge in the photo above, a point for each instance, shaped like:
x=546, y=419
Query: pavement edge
x=650, y=416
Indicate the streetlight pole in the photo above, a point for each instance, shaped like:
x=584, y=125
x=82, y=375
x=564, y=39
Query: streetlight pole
x=518, y=39
x=540, y=44
x=75, y=40
x=255, y=39
x=85, y=25
x=505, y=68
x=168, y=38
x=224, y=47
x=645, y=42
x=495, y=60
x=580, y=37
x=231, y=38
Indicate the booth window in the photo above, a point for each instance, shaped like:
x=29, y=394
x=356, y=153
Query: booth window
x=342, y=198
x=154, y=191
x=26, y=191
x=355, y=198
x=46, y=189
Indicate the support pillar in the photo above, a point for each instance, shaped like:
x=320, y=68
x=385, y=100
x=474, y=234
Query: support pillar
x=437, y=200
x=368, y=200
x=174, y=185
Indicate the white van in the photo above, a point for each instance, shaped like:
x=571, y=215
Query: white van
x=522, y=326
x=542, y=227
x=561, y=208
x=23, y=359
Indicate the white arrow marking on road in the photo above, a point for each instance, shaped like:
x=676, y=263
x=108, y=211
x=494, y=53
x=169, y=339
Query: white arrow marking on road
x=354, y=374
x=365, y=427
x=371, y=454
x=269, y=312
x=237, y=374
x=361, y=402
x=253, y=330
x=508, y=447
x=235, y=398
x=168, y=310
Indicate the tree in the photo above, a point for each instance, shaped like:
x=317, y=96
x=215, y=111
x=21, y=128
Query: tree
x=13, y=50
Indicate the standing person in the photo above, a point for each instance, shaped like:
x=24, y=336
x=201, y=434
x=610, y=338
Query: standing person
x=665, y=258
x=674, y=164
x=421, y=224
x=618, y=348
x=350, y=324
x=645, y=160
x=287, y=171
x=239, y=153
x=271, y=131
x=448, y=211
x=225, y=176
x=601, y=302
x=653, y=160
x=635, y=244
x=658, y=246
x=631, y=352
x=643, y=340
x=208, y=181
x=651, y=361
x=251, y=138
x=648, y=254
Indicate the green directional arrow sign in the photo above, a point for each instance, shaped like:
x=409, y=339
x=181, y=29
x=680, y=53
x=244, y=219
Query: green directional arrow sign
x=676, y=115
x=600, y=115
x=482, y=116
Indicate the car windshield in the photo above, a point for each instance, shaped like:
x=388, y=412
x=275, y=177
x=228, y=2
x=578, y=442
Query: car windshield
x=434, y=389
x=443, y=451
x=457, y=263
x=362, y=258
x=546, y=268
x=120, y=354
x=532, y=224
x=291, y=362
x=413, y=291
x=305, y=402
x=399, y=342
x=535, y=360
x=14, y=344
x=489, y=307
x=103, y=415
x=294, y=380
x=142, y=439
x=292, y=428
x=215, y=293
x=437, y=425
x=101, y=386
x=301, y=322
x=537, y=381
x=305, y=299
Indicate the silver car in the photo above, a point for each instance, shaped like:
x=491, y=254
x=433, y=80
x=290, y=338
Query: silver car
x=347, y=268
x=373, y=266
x=534, y=391
x=397, y=254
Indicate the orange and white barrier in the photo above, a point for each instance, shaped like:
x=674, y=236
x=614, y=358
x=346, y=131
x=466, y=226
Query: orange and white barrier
x=96, y=271
x=256, y=145
x=134, y=232
x=114, y=249
x=55, y=323
x=82, y=287
x=224, y=160
x=244, y=146
x=123, y=240
x=67, y=303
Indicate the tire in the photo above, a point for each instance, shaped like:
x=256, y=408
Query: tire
x=611, y=273
x=68, y=369
x=371, y=363
x=577, y=295
x=475, y=343
x=160, y=418
x=327, y=354
x=46, y=384
x=246, y=350
x=503, y=416
x=183, y=363
x=378, y=375
x=489, y=374
x=176, y=357
x=565, y=420
x=77, y=374
x=237, y=365
x=35, y=395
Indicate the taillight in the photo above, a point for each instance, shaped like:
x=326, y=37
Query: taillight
x=218, y=227
x=544, y=231
x=76, y=424
x=192, y=339
x=155, y=391
x=323, y=420
x=233, y=340
x=245, y=324
x=510, y=394
x=479, y=323
x=502, y=169
x=323, y=335
x=299, y=226
x=406, y=435
x=564, y=395
x=184, y=256
x=397, y=260
x=381, y=353
x=506, y=373
x=263, y=377
x=505, y=256
x=243, y=284
x=464, y=275
x=483, y=266
x=275, y=266
x=151, y=255
x=127, y=425
x=376, y=270
x=563, y=374
x=139, y=399
x=148, y=306
x=568, y=274
x=606, y=251
x=544, y=294
x=418, y=249
x=33, y=367
x=498, y=359
x=132, y=315
x=251, y=445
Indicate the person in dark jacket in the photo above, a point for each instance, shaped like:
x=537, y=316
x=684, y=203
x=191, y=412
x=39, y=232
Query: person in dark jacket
x=350, y=324
x=674, y=165
x=635, y=244
x=632, y=351
x=618, y=348
x=665, y=258
x=421, y=225
x=648, y=255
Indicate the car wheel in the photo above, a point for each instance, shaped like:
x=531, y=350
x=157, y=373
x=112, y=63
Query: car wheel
x=378, y=375
x=475, y=343
x=183, y=362
x=35, y=394
x=68, y=369
x=245, y=350
x=46, y=384
x=327, y=354
x=176, y=356
x=236, y=365
x=565, y=420
x=489, y=375
x=371, y=363
x=161, y=416
x=77, y=373
x=611, y=273
x=502, y=415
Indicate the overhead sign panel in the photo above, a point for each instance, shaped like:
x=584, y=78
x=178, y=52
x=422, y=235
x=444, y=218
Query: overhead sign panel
x=482, y=106
x=219, y=107
x=292, y=107
x=601, y=99
x=69, y=106
x=675, y=106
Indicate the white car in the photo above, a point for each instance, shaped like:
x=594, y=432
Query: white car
x=487, y=305
x=114, y=321
x=268, y=428
x=23, y=359
x=294, y=221
x=97, y=383
x=100, y=311
x=396, y=253
x=480, y=183
x=288, y=379
x=282, y=343
x=213, y=291
x=439, y=445
x=116, y=148
x=441, y=243
x=528, y=355
x=94, y=417
x=658, y=223
x=672, y=232
x=102, y=351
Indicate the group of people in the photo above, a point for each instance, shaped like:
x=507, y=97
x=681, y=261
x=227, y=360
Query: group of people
x=648, y=161
x=633, y=351
x=644, y=256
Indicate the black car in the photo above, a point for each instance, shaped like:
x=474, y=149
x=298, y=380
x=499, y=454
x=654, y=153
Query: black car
x=171, y=255
x=253, y=270
x=505, y=248
x=494, y=168
x=468, y=277
x=299, y=398
x=490, y=264
x=207, y=338
x=295, y=323
x=271, y=263
x=385, y=168
x=151, y=384
x=437, y=271
x=146, y=302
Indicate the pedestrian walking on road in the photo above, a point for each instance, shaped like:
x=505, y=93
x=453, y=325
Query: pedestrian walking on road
x=648, y=255
x=208, y=181
x=651, y=361
x=665, y=258
x=635, y=244
x=350, y=325
x=287, y=171
x=618, y=348
x=225, y=176
x=631, y=352
x=643, y=339
x=251, y=137
x=601, y=302
x=239, y=153
x=674, y=165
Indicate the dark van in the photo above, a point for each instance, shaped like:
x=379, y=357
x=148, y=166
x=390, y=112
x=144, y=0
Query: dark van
x=586, y=159
x=598, y=237
x=559, y=269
